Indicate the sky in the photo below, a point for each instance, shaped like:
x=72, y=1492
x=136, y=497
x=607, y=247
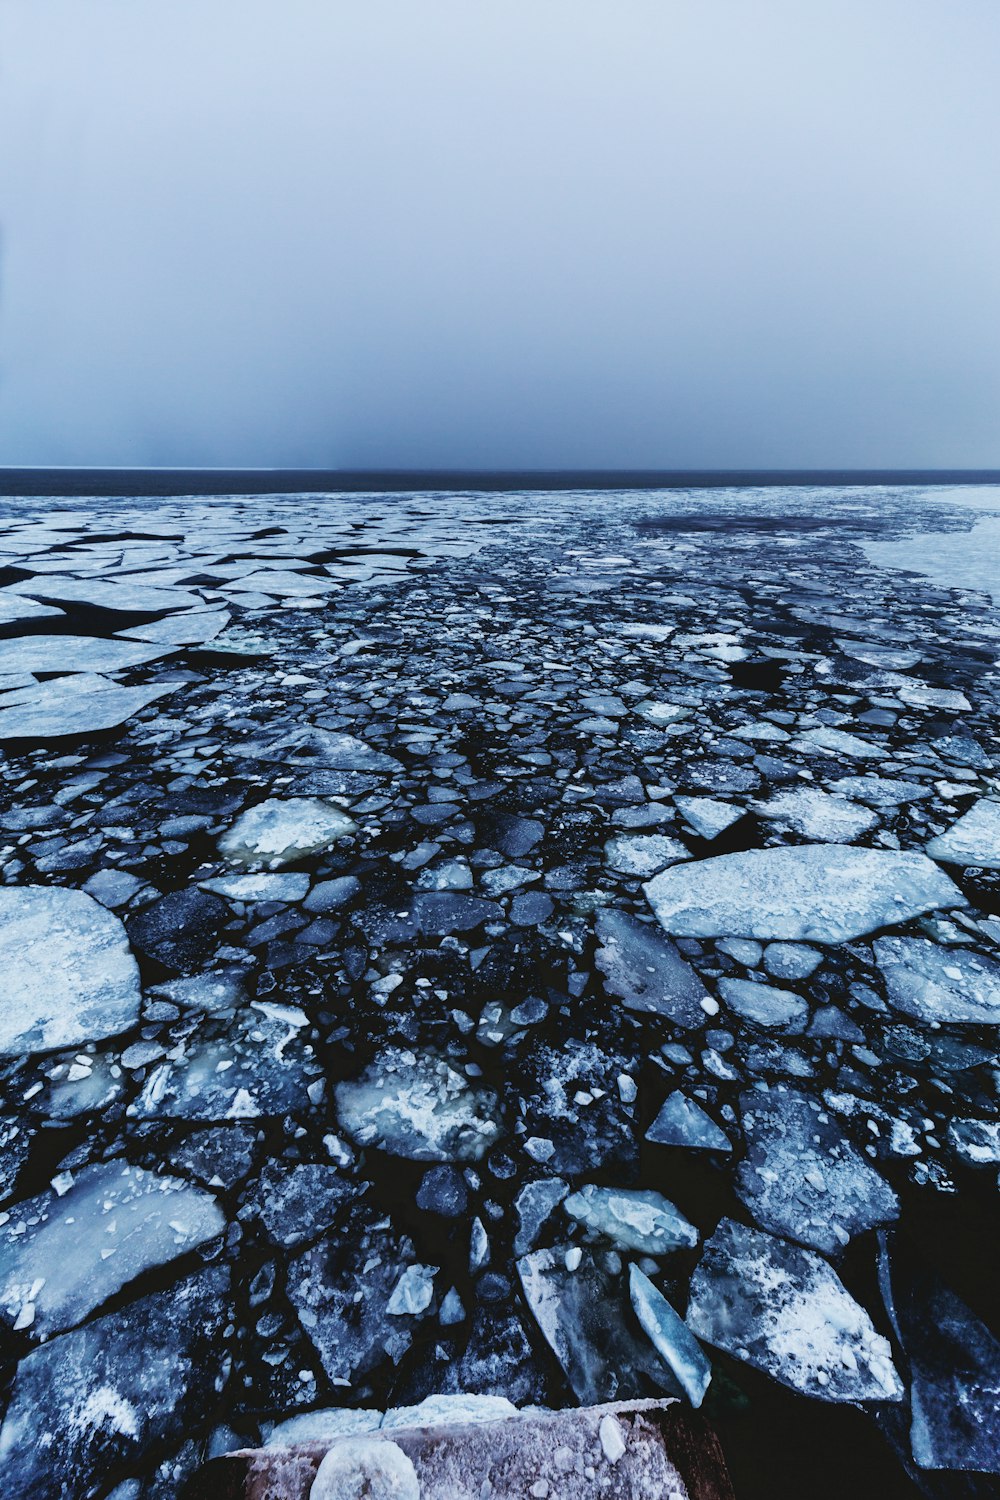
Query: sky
x=500, y=233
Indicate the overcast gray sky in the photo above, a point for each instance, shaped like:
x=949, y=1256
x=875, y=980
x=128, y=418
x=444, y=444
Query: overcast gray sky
x=515, y=233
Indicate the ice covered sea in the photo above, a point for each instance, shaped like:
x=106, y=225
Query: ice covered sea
x=540, y=945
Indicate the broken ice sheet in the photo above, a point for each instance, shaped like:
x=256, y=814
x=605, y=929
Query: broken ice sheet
x=786, y=1312
x=418, y=1107
x=801, y=1176
x=81, y=704
x=646, y=971
x=106, y=1394
x=816, y=815
x=63, y=1255
x=973, y=840
x=954, y=1365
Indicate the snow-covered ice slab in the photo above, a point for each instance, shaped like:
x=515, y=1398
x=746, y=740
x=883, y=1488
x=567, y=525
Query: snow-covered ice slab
x=786, y=1312
x=821, y=893
x=816, y=815
x=81, y=703
x=418, y=1107
x=637, y=1450
x=973, y=840
x=68, y=971
x=14, y=608
x=75, y=653
x=63, y=1255
x=939, y=985
x=802, y=1178
x=632, y=1218
x=282, y=830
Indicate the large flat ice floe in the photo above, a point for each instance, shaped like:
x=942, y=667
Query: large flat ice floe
x=418, y=1107
x=973, y=840
x=821, y=893
x=939, y=985
x=283, y=829
x=79, y=704
x=786, y=1312
x=63, y=1255
x=69, y=974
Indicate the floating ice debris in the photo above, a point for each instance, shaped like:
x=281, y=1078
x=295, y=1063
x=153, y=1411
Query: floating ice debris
x=647, y=972
x=954, y=1366
x=939, y=985
x=836, y=742
x=891, y=658
x=255, y=1070
x=824, y=893
x=333, y=751
x=413, y=1292
x=641, y=855
x=765, y=1004
x=973, y=840
x=299, y=1203
x=105, y=1394
x=69, y=974
x=977, y=1142
x=282, y=830
x=535, y=1204
x=418, y=1107
x=802, y=1178
x=670, y=1337
x=82, y=703
x=791, y=960
x=342, y=1287
x=582, y=1315
x=62, y=1256
x=681, y=1122
x=360, y=1468
x=816, y=815
x=708, y=816
x=283, y=887
x=632, y=1218
x=180, y=930
x=786, y=1312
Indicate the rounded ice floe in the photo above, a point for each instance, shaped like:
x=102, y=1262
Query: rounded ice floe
x=365, y=1468
x=418, y=1107
x=822, y=893
x=283, y=829
x=69, y=975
